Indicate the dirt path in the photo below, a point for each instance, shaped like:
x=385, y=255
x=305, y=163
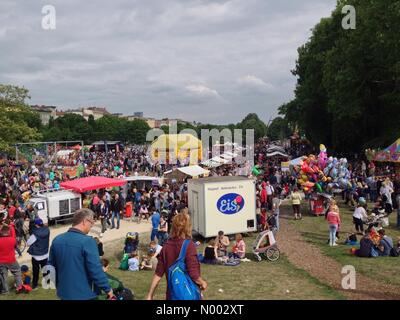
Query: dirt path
x=110, y=235
x=310, y=258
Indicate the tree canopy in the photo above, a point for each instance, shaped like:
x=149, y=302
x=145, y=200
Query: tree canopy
x=18, y=123
x=348, y=81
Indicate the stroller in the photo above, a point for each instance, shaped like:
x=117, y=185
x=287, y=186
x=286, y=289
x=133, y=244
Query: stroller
x=265, y=245
x=379, y=220
x=131, y=242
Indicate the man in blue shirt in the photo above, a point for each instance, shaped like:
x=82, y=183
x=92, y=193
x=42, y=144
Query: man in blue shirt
x=75, y=257
x=155, y=221
x=386, y=243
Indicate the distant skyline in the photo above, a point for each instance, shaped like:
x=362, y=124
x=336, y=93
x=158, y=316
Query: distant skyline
x=197, y=60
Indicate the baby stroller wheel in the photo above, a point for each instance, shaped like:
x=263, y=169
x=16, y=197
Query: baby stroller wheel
x=272, y=254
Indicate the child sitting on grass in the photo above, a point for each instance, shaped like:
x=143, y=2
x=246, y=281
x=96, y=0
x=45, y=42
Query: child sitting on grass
x=239, y=248
x=133, y=262
x=26, y=275
x=149, y=262
x=117, y=286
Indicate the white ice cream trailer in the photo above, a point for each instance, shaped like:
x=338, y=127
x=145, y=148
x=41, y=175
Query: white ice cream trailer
x=56, y=204
x=222, y=203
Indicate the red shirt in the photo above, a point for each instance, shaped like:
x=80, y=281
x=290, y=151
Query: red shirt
x=11, y=211
x=96, y=200
x=170, y=253
x=263, y=195
x=7, y=247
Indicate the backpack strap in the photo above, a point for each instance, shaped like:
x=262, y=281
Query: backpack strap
x=182, y=254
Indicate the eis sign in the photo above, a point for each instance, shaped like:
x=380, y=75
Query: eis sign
x=230, y=203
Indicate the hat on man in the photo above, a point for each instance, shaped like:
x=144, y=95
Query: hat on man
x=38, y=222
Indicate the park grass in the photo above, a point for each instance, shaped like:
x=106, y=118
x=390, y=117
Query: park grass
x=252, y=280
x=315, y=230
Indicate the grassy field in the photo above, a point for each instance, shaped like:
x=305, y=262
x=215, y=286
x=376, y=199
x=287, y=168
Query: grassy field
x=315, y=230
x=250, y=280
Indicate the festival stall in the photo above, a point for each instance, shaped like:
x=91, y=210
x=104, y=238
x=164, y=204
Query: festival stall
x=91, y=183
x=168, y=148
x=389, y=156
x=180, y=174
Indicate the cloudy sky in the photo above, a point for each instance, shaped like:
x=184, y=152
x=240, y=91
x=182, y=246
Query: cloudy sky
x=204, y=60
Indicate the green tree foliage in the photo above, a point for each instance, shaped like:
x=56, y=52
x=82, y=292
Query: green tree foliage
x=278, y=129
x=348, y=81
x=18, y=123
x=251, y=121
x=75, y=127
x=68, y=127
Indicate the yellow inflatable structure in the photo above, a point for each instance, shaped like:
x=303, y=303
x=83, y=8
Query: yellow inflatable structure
x=168, y=148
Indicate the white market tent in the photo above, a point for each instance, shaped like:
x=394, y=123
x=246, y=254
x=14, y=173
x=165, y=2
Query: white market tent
x=277, y=153
x=215, y=162
x=193, y=171
x=64, y=153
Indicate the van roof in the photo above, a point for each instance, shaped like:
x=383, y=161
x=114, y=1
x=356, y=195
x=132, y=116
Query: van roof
x=56, y=194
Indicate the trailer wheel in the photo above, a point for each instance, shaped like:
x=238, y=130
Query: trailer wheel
x=272, y=254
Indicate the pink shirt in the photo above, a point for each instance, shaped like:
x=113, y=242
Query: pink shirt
x=96, y=200
x=241, y=247
x=333, y=218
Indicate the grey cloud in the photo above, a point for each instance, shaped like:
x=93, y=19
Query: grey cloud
x=143, y=55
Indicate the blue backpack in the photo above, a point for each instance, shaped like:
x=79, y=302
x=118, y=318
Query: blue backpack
x=180, y=284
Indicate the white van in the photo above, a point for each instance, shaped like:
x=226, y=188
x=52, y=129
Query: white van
x=56, y=205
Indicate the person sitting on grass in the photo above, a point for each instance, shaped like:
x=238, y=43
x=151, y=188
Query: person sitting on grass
x=210, y=253
x=149, y=262
x=133, y=262
x=351, y=239
x=114, y=282
x=367, y=248
x=222, y=243
x=156, y=248
x=385, y=244
x=239, y=248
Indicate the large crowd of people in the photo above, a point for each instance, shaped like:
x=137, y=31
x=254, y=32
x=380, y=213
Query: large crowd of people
x=165, y=206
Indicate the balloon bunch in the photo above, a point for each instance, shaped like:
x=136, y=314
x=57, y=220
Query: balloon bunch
x=323, y=174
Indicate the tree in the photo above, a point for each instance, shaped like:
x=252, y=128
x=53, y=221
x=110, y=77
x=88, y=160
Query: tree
x=18, y=123
x=278, y=129
x=251, y=121
x=348, y=81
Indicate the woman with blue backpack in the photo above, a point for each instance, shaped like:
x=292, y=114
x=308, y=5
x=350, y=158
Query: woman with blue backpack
x=178, y=261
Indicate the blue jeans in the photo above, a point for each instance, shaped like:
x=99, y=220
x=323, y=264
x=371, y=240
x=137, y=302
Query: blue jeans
x=332, y=233
x=162, y=237
x=115, y=214
x=373, y=194
x=154, y=233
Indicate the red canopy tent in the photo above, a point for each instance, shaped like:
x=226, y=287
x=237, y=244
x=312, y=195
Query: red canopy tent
x=91, y=183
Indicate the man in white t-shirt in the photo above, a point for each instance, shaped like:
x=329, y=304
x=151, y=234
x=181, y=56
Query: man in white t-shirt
x=270, y=191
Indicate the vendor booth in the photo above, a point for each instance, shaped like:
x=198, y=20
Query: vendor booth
x=91, y=183
x=389, y=156
x=222, y=203
x=180, y=174
x=168, y=148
